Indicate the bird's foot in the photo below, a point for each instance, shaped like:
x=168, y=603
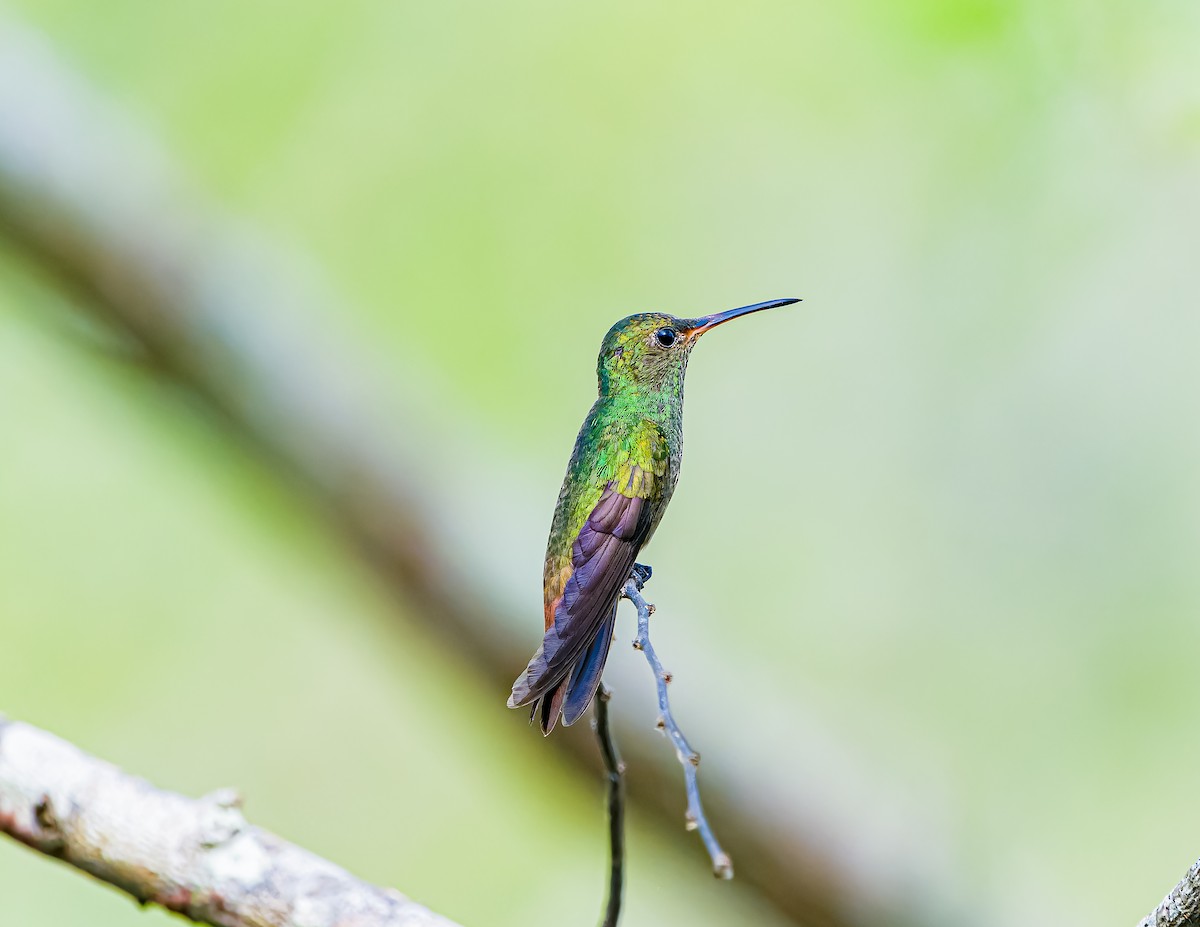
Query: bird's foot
x=640, y=575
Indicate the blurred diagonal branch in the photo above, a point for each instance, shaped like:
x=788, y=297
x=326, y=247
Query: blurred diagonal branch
x=196, y=857
x=95, y=202
x=1181, y=907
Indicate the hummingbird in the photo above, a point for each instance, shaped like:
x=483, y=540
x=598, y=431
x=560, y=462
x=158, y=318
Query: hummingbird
x=620, y=478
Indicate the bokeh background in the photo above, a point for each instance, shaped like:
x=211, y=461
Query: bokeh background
x=931, y=567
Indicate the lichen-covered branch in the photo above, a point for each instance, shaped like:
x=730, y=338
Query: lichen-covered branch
x=1181, y=908
x=197, y=857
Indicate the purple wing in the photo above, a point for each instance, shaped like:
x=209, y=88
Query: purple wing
x=568, y=664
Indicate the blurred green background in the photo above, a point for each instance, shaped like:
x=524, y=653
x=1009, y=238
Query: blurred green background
x=932, y=560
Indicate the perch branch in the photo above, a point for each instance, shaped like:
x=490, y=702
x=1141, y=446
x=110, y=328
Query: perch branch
x=1181, y=907
x=689, y=759
x=615, y=769
x=196, y=857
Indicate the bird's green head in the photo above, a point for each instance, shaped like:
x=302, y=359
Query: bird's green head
x=649, y=351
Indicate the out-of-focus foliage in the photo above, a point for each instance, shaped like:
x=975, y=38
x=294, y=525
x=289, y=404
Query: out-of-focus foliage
x=932, y=561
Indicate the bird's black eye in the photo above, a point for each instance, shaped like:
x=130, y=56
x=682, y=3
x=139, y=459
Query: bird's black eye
x=665, y=337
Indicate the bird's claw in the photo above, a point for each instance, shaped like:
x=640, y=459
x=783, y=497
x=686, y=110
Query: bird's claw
x=640, y=575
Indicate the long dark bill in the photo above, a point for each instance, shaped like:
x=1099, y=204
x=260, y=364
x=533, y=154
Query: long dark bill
x=699, y=326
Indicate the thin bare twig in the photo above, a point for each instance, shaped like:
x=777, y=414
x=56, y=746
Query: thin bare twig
x=1181, y=907
x=196, y=857
x=616, y=806
x=688, y=758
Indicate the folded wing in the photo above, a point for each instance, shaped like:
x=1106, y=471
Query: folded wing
x=566, y=670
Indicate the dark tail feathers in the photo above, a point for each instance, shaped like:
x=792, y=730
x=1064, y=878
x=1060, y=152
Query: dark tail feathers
x=574, y=694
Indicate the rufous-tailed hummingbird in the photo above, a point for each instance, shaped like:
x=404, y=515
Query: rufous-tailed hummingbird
x=619, y=480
